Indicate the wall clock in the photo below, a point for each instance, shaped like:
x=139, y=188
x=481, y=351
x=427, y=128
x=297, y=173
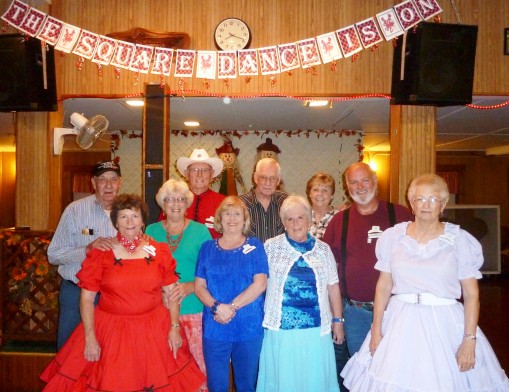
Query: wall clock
x=232, y=34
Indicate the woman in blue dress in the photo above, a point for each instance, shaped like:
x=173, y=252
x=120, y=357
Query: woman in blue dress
x=230, y=279
x=303, y=305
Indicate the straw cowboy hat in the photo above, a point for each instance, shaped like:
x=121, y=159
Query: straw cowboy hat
x=199, y=155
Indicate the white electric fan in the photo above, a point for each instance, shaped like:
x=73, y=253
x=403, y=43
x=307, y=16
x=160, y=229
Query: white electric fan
x=86, y=131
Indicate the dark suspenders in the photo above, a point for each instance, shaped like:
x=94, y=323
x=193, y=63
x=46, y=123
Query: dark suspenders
x=344, y=235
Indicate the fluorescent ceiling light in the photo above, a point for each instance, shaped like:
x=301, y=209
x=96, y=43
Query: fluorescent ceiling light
x=135, y=102
x=318, y=103
x=191, y=123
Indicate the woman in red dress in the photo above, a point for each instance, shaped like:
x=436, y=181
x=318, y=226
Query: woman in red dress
x=130, y=341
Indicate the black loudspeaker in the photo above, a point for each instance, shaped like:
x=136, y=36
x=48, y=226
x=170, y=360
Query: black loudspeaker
x=434, y=65
x=22, y=86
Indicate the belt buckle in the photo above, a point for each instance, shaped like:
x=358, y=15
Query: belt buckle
x=418, y=298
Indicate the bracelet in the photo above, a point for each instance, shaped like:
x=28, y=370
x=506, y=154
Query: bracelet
x=338, y=320
x=213, y=308
x=469, y=336
x=235, y=306
x=176, y=325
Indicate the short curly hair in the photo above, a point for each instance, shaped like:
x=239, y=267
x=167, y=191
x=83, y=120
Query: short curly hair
x=174, y=186
x=430, y=179
x=293, y=201
x=320, y=178
x=128, y=201
x=229, y=203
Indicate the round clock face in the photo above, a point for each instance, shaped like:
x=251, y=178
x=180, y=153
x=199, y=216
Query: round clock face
x=232, y=34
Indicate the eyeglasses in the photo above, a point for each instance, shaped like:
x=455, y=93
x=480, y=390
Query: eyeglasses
x=179, y=199
x=431, y=199
x=271, y=180
x=195, y=170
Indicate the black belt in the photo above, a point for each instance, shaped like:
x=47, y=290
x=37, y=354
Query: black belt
x=363, y=305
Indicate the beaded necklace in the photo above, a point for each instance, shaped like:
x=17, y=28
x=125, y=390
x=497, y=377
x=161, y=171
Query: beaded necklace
x=173, y=243
x=130, y=246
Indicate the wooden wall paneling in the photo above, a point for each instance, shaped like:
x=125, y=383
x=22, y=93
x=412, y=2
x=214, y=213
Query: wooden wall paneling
x=54, y=164
x=273, y=23
x=415, y=139
x=32, y=185
x=20, y=371
x=485, y=179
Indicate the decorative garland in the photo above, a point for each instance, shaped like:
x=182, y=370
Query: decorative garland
x=305, y=53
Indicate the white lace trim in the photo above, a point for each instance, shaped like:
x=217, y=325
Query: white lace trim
x=282, y=256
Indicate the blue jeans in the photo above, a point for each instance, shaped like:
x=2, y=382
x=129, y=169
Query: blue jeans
x=357, y=325
x=244, y=357
x=69, y=311
x=342, y=357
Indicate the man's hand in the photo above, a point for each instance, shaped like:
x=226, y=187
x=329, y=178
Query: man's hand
x=101, y=243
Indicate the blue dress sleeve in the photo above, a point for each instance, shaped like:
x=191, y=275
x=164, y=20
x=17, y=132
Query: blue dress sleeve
x=201, y=263
x=261, y=265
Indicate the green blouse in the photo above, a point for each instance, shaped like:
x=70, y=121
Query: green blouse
x=194, y=235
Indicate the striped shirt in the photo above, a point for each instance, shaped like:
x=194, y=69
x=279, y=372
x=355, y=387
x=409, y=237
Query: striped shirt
x=81, y=223
x=265, y=224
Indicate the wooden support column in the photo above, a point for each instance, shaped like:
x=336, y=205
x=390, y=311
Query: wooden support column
x=156, y=145
x=412, y=134
x=32, y=170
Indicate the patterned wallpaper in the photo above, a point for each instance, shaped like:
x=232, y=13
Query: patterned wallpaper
x=301, y=156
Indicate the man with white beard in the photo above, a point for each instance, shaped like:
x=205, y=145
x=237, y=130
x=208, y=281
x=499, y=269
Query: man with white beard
x=352, y=235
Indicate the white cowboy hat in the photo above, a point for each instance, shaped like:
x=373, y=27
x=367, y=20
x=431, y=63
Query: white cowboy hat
x=199, y=155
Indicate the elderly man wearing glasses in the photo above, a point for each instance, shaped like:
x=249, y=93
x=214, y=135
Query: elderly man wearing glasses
x=199, y=170
x=263, y=200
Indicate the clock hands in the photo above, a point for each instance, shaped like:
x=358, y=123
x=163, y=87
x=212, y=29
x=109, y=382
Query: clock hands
x=234, y=36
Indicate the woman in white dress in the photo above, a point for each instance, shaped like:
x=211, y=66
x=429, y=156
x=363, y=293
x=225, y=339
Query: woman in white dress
x=422, y=338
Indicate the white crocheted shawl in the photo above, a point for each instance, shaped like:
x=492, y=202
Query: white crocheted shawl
x=281, y=256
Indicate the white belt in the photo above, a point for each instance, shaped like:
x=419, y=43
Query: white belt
x=424, y=299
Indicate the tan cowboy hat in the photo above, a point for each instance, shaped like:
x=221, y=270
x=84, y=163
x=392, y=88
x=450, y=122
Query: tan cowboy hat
x=199, y=155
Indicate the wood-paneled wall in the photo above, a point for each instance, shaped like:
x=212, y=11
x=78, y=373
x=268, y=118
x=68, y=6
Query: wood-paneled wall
x=272, y=22
x=485, y=180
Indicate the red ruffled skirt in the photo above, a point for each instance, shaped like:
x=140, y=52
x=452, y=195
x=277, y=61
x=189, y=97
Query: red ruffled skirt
x=135, y=356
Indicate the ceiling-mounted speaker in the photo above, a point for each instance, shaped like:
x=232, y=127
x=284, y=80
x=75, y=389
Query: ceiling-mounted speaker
x=27, y=75
x=433, y=64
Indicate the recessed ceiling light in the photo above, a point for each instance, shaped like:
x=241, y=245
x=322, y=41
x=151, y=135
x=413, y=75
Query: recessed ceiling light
x=135, y=102
x=191, y=123
x=318, y=103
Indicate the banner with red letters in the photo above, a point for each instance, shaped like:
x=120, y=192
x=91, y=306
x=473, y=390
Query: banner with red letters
x=308, y=52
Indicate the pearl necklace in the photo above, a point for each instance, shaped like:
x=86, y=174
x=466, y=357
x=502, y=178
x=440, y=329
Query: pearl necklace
x=130, y=246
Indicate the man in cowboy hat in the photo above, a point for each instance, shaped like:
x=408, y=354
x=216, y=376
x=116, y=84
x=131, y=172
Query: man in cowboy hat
x=199, y=170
